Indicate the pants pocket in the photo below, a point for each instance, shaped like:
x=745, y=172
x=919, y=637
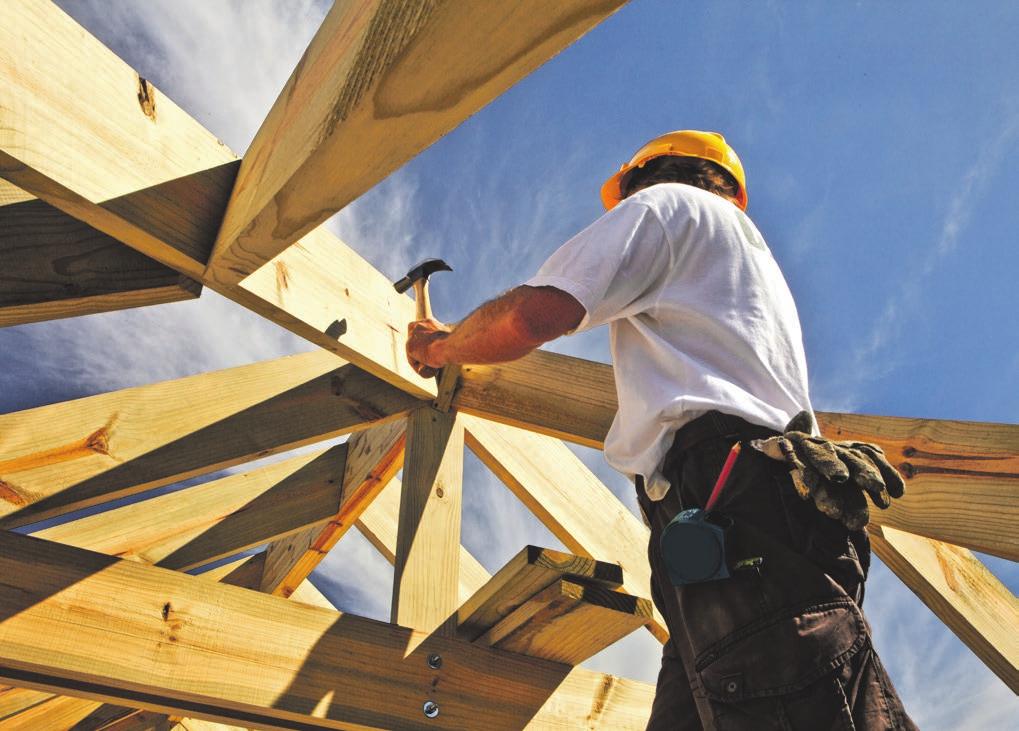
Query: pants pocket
x=783, y=652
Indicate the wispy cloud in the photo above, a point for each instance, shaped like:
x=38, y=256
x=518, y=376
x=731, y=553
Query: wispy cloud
x=875, y=357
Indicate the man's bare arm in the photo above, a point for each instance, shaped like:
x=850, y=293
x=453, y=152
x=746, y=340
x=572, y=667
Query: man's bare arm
x=506, y=328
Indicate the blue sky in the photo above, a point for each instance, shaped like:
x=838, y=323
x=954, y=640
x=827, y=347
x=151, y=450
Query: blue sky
x=880, y=142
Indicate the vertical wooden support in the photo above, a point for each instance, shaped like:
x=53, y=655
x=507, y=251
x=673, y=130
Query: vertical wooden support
x=426, y=578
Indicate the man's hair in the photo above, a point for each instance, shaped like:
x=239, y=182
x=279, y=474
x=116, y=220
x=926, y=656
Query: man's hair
x=675, y=169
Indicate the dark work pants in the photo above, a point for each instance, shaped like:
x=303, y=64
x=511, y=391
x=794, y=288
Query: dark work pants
x=784, y=646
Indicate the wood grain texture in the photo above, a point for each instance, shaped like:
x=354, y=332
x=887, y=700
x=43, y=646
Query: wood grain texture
x=379, y=525
x=552, y=481
x=219, y=518
x=70, y=95
x=55, y=266
x=962, y=478
x=380, y=81
x=166, y=641
x=54, y=459
x=961, y=591
x=568, y=621
x=16, y=700
x=372, y=458
x=529, y=572
x=426, y=572
x=160, y=185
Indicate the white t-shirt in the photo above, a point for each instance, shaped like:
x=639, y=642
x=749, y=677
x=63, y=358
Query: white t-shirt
x=700, y=318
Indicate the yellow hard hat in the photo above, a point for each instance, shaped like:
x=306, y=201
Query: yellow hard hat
x=682, y=143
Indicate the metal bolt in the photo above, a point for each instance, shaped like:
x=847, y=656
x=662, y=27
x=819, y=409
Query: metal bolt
x=431, y=710
x=435, y=661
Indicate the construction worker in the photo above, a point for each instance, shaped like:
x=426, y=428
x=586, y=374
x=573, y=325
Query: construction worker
x=708, y=353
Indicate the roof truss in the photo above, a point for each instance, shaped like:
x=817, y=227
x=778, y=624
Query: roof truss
x=168, y=208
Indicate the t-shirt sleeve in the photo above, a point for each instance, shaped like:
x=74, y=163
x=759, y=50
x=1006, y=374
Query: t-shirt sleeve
x=609, y=265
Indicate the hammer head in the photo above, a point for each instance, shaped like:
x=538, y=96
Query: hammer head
x=422, y=270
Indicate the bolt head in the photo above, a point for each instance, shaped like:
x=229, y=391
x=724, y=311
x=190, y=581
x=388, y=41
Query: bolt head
x=435, y=661
x=430, y=709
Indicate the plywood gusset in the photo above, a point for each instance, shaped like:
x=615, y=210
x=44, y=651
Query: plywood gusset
x=99, y=167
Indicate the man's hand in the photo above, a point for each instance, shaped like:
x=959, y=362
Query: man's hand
x=422, y=353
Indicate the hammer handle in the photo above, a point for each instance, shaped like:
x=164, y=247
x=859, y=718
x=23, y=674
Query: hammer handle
x=422, y=309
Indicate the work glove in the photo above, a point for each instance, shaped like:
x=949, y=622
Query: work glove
x=836, y=475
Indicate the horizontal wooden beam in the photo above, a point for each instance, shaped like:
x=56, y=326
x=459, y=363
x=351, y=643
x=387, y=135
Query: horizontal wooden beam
x=962, y=592
x=57, y=458
x=56, y=266
x=379, y=82
x=962, y=478
x=200, y=524
x=166, y=641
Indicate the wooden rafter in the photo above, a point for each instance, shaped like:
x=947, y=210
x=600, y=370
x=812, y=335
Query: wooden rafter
x=255, y=659
x=962, y=592
x=373, y=457
x=197, y=525
x=66, y=456
x=56, y=266
x=379, y=82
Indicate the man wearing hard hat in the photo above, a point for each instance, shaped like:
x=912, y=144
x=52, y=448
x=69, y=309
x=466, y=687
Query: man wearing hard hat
x=758, y=555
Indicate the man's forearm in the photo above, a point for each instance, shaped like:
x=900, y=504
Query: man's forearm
x=497, y=331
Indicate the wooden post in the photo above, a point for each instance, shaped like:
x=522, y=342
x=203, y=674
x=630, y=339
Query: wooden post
x=426, y=578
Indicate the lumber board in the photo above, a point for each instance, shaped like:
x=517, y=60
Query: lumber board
x=57, y=458
x=55, y=266
x=529, y=572
x=961, y=591
x=568, y=621
x=58, y=712
x=160, y=184
x=230, y=655
x=426, y=570
x=16, y=700
x=200, y=524
x=379, y=82
x=552, y=481
x=373, y=457
x=556, y=395
x=379, y=525
x=962, y=478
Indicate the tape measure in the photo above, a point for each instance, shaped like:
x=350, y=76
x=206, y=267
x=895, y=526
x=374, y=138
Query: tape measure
x=694, y=542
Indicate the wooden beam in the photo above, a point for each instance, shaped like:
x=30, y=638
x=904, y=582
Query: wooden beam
x=379, y=82
x=531, y=571
x=56, y=266
x=54, y=459
x=569, y=621
x=427, y=567
x=379, y=525
x=219, y=518
x=961, y=591
x=373, y=457
x=962, y=478
x=166, y=641
x=17, y=700
x=552, y=481
x=159, y=182
x=557, y=395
